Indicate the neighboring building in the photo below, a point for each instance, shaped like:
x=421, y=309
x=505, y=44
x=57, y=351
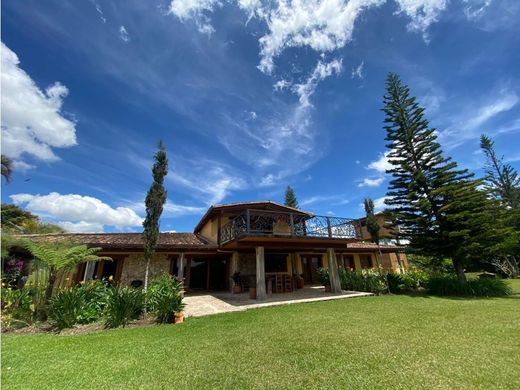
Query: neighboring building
x=268, y=244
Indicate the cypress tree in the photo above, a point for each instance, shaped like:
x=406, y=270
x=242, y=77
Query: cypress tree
x=154, y=203
x=437, y=205
x=290, y=198
x=372, y=225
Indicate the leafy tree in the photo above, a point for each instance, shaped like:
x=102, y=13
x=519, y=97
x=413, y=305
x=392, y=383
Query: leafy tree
x=290, y=198
x=437, y=205
x=154, y=202
x=372, y=225
x=502, y=179
x=56, y=258
x=17, y=220
x=7, y=168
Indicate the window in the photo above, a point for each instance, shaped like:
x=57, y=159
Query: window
x=348, y=260
x=366, y=261
x=276, y=262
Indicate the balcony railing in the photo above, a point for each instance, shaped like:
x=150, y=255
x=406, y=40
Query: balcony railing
x=274, y=223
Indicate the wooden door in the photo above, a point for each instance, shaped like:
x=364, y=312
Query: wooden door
x=310, y=264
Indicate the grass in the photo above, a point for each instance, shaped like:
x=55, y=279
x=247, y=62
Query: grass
x=366, y=343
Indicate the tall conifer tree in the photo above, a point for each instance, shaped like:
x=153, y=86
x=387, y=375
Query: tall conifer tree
x=154, y=202
x=437, y=205
x=290, y=198
x=502, y=179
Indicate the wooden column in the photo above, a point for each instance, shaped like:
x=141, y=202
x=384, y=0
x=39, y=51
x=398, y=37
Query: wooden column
x=233, y=268
x=260, y=274
x=180, y=267
x=335, y=283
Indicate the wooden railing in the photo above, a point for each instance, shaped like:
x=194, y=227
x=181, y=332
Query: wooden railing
x=277, y=223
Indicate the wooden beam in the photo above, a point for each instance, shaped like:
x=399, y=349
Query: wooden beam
x=260, y=274
x=335, y=283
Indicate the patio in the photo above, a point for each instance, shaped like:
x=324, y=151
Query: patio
x=208, y=303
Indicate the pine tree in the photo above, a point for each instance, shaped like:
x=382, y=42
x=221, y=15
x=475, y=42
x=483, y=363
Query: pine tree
x=502, y=179
x=437, y=205
x=154, y=202
x=290, y=198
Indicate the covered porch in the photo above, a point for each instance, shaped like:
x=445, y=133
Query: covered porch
x=203, y=304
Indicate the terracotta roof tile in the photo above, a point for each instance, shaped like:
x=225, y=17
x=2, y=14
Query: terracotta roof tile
x=372, y=246
x=128, y=240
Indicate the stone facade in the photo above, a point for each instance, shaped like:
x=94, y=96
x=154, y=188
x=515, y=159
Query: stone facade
x=134, y=267
x=247, y=268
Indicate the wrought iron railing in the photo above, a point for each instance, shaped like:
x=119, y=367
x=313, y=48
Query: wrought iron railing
x=276, y=223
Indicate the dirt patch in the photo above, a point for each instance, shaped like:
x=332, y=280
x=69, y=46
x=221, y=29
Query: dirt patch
x=76, y=330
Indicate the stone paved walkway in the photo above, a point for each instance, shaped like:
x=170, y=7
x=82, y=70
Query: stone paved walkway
x=203, y=304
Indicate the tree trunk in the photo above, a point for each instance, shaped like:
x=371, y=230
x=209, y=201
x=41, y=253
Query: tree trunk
x=50, y=286
x=146, y=272
x=459, y=269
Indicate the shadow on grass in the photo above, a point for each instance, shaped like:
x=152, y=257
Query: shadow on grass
x=425, y=294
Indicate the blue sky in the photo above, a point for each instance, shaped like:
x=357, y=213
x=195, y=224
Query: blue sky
x=249, y=96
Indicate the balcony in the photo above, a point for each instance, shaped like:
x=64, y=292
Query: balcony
x=282, y=224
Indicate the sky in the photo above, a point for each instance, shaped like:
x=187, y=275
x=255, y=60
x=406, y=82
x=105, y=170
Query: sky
x=248, y=96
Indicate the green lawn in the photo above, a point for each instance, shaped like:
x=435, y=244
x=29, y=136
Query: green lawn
x=376, y=342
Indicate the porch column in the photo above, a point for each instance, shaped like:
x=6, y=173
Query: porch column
x=180, y=267
x=260, y=274
x=335, y=283
x=232, y=269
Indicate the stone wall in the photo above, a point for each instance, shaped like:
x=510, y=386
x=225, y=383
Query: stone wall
x=134, y=267
x=247, y=268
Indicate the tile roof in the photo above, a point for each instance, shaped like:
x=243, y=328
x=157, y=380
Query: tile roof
x=127, y=240
x=372, y=246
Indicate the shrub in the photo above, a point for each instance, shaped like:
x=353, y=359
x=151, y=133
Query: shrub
x=413, y=280
x=165, y=298
x=95, y=299
x=123, y=305
x=80, y=304
x=449, y=285
x=17, y=307
x=324, y=276
x=365, y=280
x=65, y=307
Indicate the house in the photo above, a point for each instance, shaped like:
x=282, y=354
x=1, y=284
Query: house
x=264, y=244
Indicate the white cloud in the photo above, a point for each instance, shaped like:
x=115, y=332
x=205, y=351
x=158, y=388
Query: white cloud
x=322, y=25
x=321, y=72
x=475, y=8
x=170, y=209
x=207, y=180
x=32, y=121
x=421, y=12
x=367, y=182
x=77, y=211
x=337, y=199
x=379, y=203
x=99, y=11
x=280, y=85
x=178, y=210
x=195, y=9
x=285, y=145
x=123, y=34
x=382, y=164
x=358, y=71
x=81, y=227
x=471, y=123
